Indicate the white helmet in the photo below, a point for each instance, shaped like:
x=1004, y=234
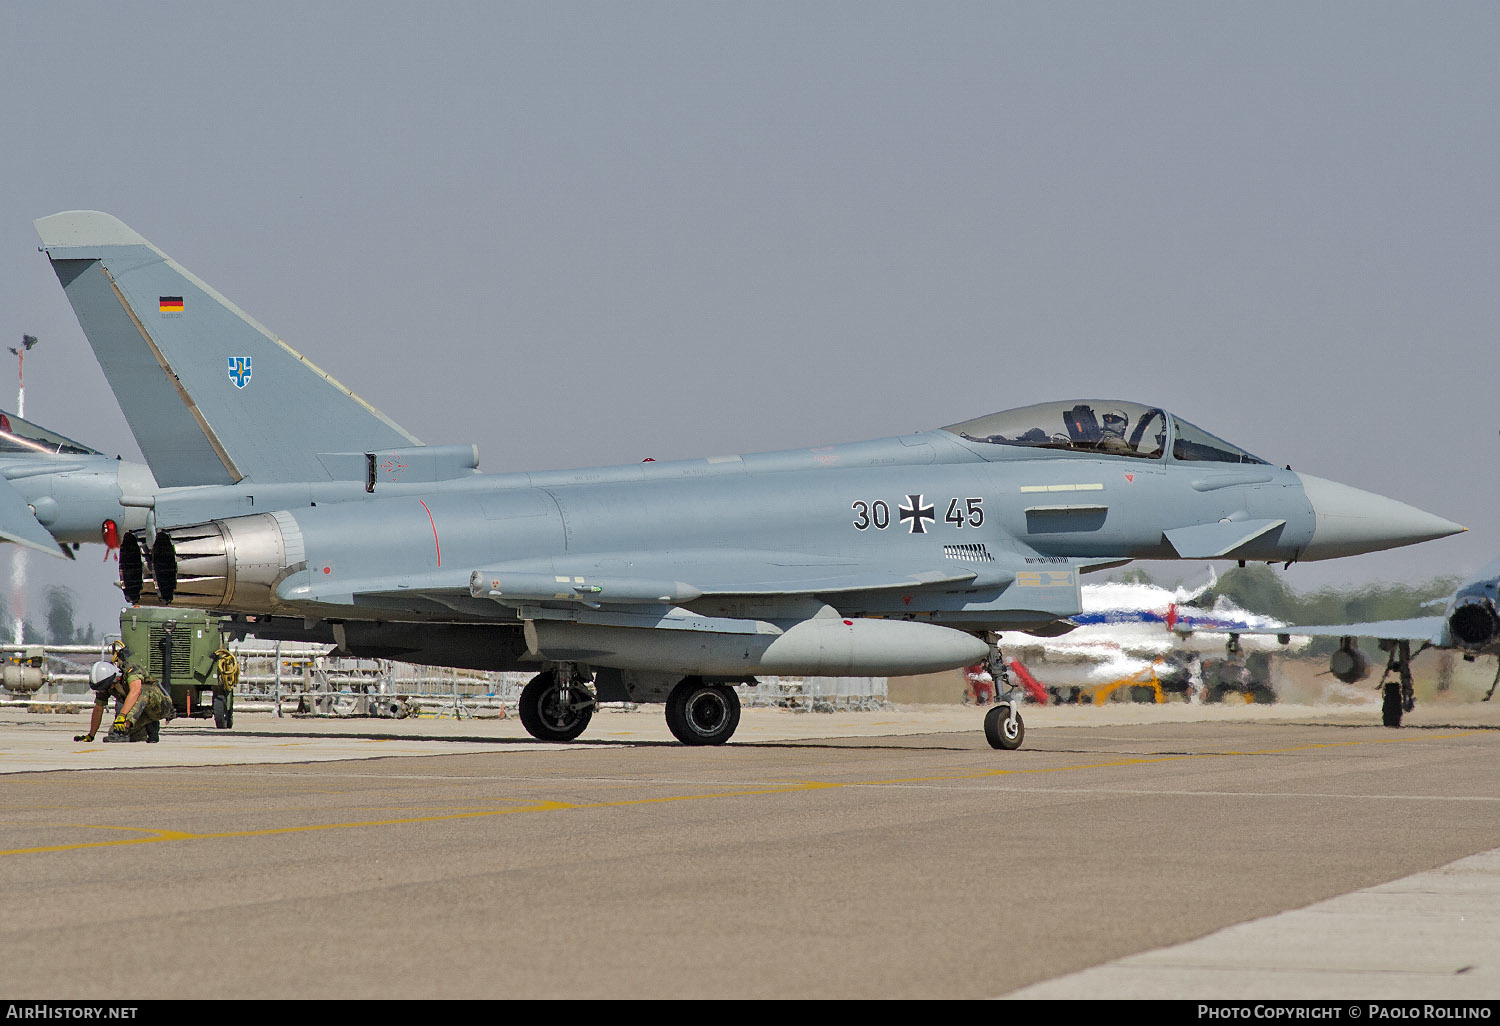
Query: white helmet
x=102, y=674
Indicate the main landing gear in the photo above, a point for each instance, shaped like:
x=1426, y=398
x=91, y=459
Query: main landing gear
x=1397, y=696
x=1003, y=727
x=699, y=713
x=558, y=704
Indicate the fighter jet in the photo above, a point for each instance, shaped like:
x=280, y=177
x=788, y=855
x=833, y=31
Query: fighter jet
x=302, y=513
x=57, y=494
x=1469, y=625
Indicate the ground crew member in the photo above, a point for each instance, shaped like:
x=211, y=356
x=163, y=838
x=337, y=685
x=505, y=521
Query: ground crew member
x=141, y=704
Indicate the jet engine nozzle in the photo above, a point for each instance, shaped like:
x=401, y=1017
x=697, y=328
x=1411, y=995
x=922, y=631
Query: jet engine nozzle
x=1474, y=623
x=222, y=564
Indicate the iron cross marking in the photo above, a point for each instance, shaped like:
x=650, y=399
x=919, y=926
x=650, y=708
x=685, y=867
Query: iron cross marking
x=916, y=513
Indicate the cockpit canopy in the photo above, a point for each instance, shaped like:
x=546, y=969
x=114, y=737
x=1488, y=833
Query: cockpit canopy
x=17, y=435
x=1101, y=427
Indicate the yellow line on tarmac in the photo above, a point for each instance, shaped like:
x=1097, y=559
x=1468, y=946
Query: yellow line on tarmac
x=158, y=836
x=161, y=836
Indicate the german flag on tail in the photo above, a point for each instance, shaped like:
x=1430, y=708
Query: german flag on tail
x=171, y=304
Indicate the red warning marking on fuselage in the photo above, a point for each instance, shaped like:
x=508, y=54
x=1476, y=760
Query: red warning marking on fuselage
x=436, y=546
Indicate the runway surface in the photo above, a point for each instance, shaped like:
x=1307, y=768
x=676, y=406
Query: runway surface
x=1191, y=852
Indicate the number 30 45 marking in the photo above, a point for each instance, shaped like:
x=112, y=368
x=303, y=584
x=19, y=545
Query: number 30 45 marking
x=964, y=512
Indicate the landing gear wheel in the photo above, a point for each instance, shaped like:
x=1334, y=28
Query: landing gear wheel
x=702, y=714
x=224, y=710
x=1390, y=706
x=1001, y=732
x=555, y=711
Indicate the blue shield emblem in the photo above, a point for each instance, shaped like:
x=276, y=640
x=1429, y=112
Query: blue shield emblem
x=239, y=370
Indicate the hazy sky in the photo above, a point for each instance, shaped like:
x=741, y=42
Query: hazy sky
x=588, y=233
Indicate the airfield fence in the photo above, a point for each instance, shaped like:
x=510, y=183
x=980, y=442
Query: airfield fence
x=310, y=680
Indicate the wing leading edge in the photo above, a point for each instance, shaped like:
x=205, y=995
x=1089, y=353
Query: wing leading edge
x=1421, y=628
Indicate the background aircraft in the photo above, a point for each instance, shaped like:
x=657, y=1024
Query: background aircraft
x=1469, y=625
x=57, y=494
x=1147, y=640
x=290, y=503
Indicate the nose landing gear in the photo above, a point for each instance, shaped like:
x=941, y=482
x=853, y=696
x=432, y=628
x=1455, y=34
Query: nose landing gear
x=1003, y=727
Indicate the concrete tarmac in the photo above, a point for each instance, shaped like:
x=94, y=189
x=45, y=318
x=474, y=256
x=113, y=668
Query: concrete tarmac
x=1175, y=851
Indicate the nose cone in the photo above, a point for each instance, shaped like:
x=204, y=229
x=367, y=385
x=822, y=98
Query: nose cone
x=1349, y=521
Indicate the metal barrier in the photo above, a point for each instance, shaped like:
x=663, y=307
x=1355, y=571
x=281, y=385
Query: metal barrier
x=818, y=694
x=309, y=680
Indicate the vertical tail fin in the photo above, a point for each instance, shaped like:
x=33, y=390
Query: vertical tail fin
x=211, y=396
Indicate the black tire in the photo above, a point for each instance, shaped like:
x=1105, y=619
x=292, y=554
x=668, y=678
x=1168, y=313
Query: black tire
x=702, y=714
x=224, y=710
x=1390, y=706
x=998, y=730
x=673, y=713
x=553, y=712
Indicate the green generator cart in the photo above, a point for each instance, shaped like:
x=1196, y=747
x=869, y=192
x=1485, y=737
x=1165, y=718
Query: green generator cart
x=185, y=650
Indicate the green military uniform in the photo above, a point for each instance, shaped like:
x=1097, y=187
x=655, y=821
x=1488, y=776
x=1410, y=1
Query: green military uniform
x=151, y=709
